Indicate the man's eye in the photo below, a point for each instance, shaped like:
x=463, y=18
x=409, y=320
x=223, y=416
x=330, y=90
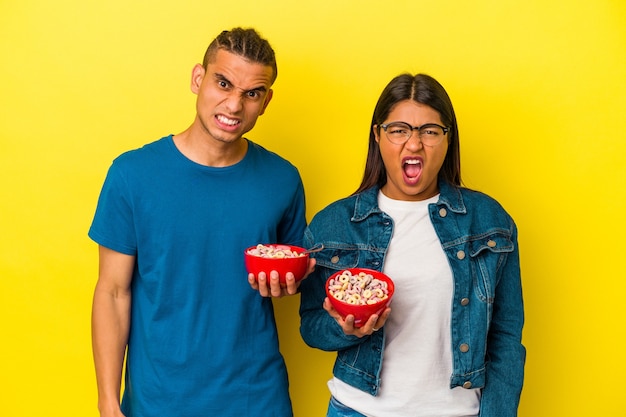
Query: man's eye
x=253, y=94
x=222, y=84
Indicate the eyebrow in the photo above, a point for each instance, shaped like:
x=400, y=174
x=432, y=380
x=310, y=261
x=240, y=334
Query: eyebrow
x=221, y=77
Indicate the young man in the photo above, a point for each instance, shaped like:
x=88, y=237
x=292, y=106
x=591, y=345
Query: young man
x=173, y=220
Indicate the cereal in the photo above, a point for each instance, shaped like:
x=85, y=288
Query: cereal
x=358, y=289
x=272, y=251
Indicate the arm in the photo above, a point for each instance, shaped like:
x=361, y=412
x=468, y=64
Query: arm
x=321, y=326
x=506, y=354
x=317, y=327
x=110, y=324
x=290, y=231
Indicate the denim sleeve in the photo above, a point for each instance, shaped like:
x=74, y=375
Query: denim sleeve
x=317, y=327
x=505, y=353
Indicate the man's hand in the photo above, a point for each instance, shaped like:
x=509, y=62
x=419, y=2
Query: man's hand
x=272, y=287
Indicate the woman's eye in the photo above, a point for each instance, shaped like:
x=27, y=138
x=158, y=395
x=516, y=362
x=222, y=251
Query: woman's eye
x=431, y=131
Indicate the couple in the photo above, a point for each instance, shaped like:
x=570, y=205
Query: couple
x=172, y=302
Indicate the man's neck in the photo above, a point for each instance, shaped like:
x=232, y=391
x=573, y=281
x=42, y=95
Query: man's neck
x=205, y=150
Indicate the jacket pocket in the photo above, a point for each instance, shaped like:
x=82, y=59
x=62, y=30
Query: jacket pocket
x=338, y=257
x=487, y=253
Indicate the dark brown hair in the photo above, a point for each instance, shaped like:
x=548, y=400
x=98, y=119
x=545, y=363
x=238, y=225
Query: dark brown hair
x=246, y=43
x=426, y=90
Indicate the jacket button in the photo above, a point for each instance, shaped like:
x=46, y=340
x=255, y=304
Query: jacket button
x=334, y=259
x=464, y=347
x=443, y=212
x=464, y=301
x=491, y=243
x=467, y=385
x=460, y=254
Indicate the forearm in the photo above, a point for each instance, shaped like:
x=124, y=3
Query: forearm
x=110, y=326
x=322, y=332
x=317, y=327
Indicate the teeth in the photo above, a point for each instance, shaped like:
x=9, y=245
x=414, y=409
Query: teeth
x=412, y=162
x=226, y=120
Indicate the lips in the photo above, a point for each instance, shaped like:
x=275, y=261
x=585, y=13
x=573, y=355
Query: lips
x=412, y=169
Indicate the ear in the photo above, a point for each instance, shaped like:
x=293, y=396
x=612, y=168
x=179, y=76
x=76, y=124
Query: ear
x=268, y=98
x=375, y=130
x=197, y=75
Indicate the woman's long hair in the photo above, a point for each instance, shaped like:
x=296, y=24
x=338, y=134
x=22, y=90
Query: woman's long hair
x=426, y=90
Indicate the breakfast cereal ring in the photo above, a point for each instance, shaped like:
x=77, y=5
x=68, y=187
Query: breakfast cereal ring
x=359, y=289
x=271, y=251
x=351, y=300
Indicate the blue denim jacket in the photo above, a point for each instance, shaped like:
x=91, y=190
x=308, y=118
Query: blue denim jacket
x=480, y=241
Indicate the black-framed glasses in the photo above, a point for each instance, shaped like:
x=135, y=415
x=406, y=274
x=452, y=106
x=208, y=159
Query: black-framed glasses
x=430, y=134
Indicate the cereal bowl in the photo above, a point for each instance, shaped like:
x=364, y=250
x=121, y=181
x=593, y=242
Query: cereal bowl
x=279, y=258
x=359, y=291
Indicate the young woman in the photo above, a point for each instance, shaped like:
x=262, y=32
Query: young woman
x=450, y=343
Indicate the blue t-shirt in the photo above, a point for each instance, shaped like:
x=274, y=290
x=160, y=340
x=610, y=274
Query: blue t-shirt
x=202, y=342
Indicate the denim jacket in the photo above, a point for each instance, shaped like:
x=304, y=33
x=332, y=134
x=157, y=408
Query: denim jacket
x=480, y=241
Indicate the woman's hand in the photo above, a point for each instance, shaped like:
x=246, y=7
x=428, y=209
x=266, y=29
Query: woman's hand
x=373, y=324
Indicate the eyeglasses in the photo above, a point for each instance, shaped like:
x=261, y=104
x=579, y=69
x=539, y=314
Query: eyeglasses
x=430, y=134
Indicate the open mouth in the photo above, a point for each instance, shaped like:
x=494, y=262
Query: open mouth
x=412, y=168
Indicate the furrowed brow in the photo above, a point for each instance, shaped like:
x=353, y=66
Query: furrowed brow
x=260, y=89
x=221, y=77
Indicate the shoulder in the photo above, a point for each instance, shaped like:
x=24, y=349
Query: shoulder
x=479, y=198
x=270, y=168
x=146, y=155
x=480, y=205
x=272, y=160
x=339, y=210
x=341, y=205
x=357, y=206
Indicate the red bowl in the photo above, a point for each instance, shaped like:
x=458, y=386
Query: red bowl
x=297, y=265
x=361, y=312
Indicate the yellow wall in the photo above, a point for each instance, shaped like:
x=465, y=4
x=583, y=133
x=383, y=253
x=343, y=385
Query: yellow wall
x=538, y=88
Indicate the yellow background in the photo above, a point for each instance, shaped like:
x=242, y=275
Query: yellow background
x=538, y=87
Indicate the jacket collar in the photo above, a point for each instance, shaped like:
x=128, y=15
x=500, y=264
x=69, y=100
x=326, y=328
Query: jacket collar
x=450, y=196
x=366, y=202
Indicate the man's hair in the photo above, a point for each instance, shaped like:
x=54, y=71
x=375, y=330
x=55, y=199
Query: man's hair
x=246, y=43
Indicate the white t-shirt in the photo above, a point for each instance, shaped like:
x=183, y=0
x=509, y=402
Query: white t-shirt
x=417, y=361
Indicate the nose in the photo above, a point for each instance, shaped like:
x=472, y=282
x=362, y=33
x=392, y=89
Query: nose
x=415, y=134
x=234, y=101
